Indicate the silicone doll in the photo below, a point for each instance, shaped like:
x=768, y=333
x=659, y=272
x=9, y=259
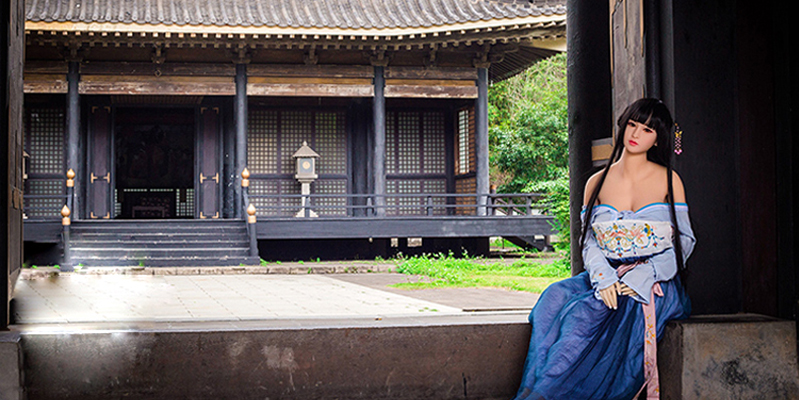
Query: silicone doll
x=594, y=335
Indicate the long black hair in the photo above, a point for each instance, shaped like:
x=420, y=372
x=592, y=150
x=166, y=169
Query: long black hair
x=654, y=114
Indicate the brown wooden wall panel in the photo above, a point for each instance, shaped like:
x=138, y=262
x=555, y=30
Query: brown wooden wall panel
x=184, y=85
x=431, y=92
x=309, y=90
x=46, y=67
x=431, y=73
x=318, y=71
x=465, y=186
x=45, y=83
x=157, y=70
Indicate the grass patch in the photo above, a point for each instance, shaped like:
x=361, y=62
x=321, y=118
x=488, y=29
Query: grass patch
x=448, y=271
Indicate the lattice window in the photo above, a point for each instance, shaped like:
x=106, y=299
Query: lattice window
x=415, y=154
x=409, y=154
x=415, y=142
x=184, y=203
x=330, y=142
x=262, y=142
x=45, y=143
x=274, y=136
x=391, y=140
x=466, y=186
x=50, y=207
x=433, y=158
x=331, y=186
x=413, y=205
x=463, y=141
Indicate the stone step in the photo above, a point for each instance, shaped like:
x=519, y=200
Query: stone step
x=164, y=243
x=146, y=261
x=160, y=243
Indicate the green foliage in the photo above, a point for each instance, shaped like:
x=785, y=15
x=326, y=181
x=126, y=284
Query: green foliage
x=449, y=271
x=528, y=138
x=528, y=126
x=555, y=203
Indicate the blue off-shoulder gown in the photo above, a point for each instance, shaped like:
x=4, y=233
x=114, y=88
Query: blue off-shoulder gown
x=579, y=348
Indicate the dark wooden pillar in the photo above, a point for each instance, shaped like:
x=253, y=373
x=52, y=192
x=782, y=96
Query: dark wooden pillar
x=11, y=202
x=379, y=141
x=240, y=110
x=73, y=133
x=482, y=137
x=589, y=100
x=358, y=118
x=450, y=156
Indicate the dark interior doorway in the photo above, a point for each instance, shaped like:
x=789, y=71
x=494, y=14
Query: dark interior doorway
x=154, y=163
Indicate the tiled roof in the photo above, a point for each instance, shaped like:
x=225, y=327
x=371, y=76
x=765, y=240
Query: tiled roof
x=340, y=14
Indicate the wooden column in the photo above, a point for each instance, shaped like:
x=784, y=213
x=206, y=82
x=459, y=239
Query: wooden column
x=73, y=131
x=589, y=100
x=482, y=137
x=12, y=45
x=240, y=110
x=450, y=156
x=379, y=141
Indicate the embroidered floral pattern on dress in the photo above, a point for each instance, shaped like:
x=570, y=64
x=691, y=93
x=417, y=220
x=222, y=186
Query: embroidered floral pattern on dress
x=632, y=238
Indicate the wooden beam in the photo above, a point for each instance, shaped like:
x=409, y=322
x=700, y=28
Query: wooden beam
x=41, y=83
x=431, y=73
x=434, y=92
x=153, y=70
x=132, y=85
x=311, y=71
x=309, y=90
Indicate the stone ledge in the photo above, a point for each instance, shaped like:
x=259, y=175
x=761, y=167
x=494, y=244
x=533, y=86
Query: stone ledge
x=467, y=358
x=11, y=379
x=740, y=356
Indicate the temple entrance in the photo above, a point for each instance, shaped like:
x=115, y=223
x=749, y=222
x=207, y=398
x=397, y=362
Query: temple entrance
x=154, y=161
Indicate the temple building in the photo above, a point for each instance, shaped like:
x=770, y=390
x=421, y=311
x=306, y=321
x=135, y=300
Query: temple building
x=156, y=132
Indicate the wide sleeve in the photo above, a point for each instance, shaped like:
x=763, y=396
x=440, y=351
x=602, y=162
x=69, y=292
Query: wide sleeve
x=663, y=266
x=601, y=273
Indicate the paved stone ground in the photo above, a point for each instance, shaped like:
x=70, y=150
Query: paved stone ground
x=74, y=298
x=328, y=290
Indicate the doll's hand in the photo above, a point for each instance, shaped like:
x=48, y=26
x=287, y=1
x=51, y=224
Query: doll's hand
x=626, y=290
x=609, y=295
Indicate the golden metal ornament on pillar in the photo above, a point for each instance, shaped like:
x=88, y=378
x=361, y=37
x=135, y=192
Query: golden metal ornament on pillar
x=65, y=215
x=71, y=178
x=251, y=214
x=245, y=178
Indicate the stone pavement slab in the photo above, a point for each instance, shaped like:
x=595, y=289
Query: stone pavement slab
x=77, y=298
x=466, y=299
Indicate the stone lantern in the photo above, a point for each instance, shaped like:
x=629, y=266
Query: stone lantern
x=306, y=160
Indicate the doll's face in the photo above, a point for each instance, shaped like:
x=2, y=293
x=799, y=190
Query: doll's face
x=639, y=138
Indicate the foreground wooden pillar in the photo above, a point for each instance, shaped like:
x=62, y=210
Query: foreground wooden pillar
x=482, y=137
x=589, y=100
x=11, y=201
x=379, y=141
x=240, y=110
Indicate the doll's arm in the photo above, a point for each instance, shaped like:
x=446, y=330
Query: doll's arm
x=601, y=274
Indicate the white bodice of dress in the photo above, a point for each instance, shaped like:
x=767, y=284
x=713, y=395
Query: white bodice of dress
x=632, y=234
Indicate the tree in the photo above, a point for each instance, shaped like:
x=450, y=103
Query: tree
x=528, y=144
x=528, y=126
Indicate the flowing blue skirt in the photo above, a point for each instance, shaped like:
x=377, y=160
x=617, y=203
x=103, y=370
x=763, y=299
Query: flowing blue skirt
x=580, y=349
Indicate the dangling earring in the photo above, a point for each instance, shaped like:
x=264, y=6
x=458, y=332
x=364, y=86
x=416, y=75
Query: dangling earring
x=678, y=139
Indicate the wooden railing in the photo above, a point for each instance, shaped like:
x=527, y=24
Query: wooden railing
x=397, y=205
